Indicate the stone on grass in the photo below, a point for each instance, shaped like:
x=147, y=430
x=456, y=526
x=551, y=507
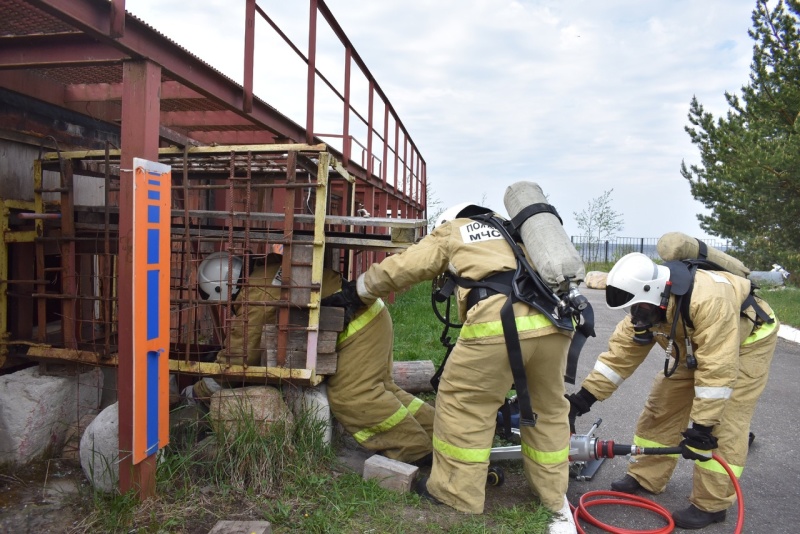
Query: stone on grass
x=233, y=410
x=36, y=411
x=100, y=450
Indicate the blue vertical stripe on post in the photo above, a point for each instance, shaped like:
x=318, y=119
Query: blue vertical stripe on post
x=153, y=258
x=152, y=401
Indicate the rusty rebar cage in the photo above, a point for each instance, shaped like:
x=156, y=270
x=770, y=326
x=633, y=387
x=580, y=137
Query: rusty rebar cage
x=251, y=202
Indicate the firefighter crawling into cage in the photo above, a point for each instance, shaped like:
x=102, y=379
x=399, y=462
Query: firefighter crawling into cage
x=362, y=394
x=478, y=373
x=719, y=338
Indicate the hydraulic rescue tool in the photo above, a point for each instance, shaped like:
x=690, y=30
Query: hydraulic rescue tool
x=586, y=454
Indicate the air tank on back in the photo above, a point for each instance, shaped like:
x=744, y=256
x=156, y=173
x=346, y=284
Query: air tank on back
x=678, y=246
x=549, y=248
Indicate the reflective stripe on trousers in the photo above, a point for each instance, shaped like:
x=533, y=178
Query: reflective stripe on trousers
x=387, y=424
x=361, y=321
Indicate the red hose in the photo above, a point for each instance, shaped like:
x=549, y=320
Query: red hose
x=581, y=512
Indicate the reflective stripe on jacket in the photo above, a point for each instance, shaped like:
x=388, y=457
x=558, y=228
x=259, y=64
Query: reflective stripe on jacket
x=718, y=333
x=468, y=249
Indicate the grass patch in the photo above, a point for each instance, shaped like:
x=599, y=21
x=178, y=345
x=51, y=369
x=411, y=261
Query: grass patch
x=417, y=331
x=288, y=476
x=785, y=302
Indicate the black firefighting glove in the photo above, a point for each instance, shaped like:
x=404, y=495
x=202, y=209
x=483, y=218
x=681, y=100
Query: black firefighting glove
x=698, y=442
x=579, y=404
x=347, y=298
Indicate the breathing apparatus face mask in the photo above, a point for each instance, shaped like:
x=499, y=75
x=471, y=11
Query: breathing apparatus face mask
x=644, y=316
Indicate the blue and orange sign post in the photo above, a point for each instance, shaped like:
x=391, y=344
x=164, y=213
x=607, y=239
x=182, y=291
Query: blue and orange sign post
x=151, y=271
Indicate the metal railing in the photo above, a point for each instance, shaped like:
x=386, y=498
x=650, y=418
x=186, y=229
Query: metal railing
x=610, y=250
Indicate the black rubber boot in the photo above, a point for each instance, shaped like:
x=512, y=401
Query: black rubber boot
x=627, y=484
x=425, y=461
x=421, y=489
x=693, y=517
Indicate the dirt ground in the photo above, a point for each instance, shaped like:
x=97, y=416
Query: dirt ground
x=51, y=497
x=42, y=498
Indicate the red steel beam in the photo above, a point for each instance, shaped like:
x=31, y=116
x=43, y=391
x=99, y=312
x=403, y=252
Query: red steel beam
x=140, y=41
x=203, y=118
x=311, y=77
x=339, y=32
x=347, y=146
x=117, y=18
x=93, y=92
x=61, y=49
x=140, y=116
x=233, y=137
x=249, y=46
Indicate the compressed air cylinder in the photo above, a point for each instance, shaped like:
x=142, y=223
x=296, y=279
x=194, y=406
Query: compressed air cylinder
x=549, y=248
x=677, y=246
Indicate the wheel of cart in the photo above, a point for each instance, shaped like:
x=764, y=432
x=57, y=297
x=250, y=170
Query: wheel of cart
x=496, y=476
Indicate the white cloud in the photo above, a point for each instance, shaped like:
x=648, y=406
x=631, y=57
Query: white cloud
x=580, y=96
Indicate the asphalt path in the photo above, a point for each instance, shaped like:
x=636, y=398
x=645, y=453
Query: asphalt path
x=771, y=480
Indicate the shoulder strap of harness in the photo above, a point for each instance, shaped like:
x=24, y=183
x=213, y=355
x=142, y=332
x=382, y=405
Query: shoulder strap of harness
x=527, y=286
x=529, y=211
x=683, y=287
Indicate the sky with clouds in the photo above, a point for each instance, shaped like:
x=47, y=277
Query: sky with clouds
x=581, y=97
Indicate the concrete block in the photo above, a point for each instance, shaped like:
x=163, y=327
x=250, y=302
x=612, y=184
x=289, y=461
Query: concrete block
x=264, y=404
x=241, y=527
x=391, y=474
x=36, y=411
x=313, y=402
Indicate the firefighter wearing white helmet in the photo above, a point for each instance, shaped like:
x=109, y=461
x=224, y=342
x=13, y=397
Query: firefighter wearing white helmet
x=218, y=273
x=721, y=352
x=478, y=374
x=249, y=299
x=362, y=394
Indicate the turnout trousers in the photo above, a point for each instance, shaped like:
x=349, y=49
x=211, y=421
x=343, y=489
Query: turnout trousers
x=666, y=415
x=473, y=386
x=365, y=399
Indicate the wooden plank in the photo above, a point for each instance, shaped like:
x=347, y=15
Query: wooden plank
x=326, y=361
x=298, y=339
x=300, y=279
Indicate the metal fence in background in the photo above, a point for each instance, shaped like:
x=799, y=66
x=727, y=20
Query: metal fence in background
x=610, y=250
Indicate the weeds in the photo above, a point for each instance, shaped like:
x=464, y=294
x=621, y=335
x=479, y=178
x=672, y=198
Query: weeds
x=785, y=302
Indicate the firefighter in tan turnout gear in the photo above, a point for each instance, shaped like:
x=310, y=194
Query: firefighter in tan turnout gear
x=362, y=394
x=722, y=343
x=478, y=374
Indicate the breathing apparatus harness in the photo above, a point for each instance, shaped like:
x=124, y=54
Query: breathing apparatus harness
x=680, y=284
x=570, y=311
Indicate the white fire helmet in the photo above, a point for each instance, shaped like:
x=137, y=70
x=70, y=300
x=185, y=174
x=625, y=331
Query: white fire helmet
x=635, y=278
x=213, y=276
x=465, y=209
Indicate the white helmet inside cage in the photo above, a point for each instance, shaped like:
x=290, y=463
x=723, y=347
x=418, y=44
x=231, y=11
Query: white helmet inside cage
x=465, y=209
x=216, y=272
x=635, y=278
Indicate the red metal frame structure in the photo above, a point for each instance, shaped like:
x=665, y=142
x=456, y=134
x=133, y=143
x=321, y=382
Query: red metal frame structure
x=78, y=47
x=117, y=77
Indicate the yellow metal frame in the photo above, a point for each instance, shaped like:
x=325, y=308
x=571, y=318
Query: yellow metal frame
x=11, y=236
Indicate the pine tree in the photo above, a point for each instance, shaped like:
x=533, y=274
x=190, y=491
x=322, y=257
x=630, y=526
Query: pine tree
x=749, y=176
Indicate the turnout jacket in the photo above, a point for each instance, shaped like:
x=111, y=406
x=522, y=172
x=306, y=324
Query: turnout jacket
x=717, y=333
x=469, y=249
